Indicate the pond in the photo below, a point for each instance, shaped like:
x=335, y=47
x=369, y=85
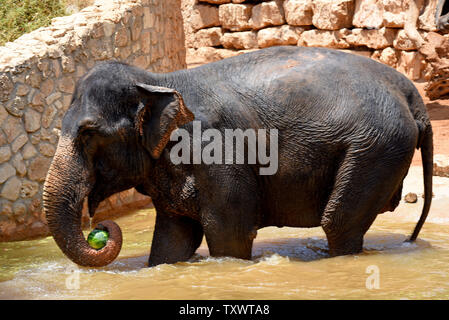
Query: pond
x=287, y=263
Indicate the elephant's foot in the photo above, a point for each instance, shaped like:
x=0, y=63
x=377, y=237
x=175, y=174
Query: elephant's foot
x=340, y=245
x=175, y=239
x=239, y=248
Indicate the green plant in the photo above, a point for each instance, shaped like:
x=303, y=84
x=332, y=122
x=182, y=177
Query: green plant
x=18, y=17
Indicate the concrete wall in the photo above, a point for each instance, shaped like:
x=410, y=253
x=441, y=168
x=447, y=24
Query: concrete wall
x=38, y=73
x=216, y=29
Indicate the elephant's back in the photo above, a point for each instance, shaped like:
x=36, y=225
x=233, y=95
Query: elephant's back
x=299, y=87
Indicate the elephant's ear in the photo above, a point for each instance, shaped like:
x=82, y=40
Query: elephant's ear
x=161, y=111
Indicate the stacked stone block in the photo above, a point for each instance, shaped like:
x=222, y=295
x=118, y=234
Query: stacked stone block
x=216, y=29
x=38, y=74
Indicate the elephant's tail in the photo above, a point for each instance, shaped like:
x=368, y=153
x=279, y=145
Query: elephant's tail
x=425, y=143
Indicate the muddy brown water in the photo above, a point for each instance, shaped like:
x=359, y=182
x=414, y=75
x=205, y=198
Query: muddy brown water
x=288, y=263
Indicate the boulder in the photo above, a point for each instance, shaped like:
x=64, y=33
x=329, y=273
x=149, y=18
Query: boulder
x=235, y=17
x=333, y=15
x=204, y=16
x=239, y=40
x=277, y=36
x=441, y=165
x=368, y=14
x=374, y=39
x=267, y=14
x=209, y=37
x=411, y=64
x=388, y=56
x=298, y=12
x=324, y=38
x=411, y=197
x=394, y=13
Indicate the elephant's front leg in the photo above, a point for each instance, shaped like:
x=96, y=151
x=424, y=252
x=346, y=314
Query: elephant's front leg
x=175, y=238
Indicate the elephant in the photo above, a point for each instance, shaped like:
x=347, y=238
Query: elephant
x=347, y=128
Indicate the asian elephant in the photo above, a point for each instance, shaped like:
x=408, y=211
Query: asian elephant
x=347, y=127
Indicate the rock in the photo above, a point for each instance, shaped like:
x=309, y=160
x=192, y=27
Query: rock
x=441, y=165
x=368, y=14
x=436, y=50
x=67, y=85
x=6, y=172
x=235, y=17
x=426, y=20
x=324, y=38
x=68, y=64
x=19, y=164
x=38, y=168
x=20, y=211
x=403, y=42
x=12, y=127
x=374, y=39
x=204, y=16
x=299, y=12
x=204, y=55
x=47, y=149
x=29, y=189
x=216, y=1
x=267, y=14
x=239, y=40
x=29, y=151
x=410, y=64
x=46, y=87
x=121, y=37
x=48, y=116
x=5, y=154
x=3, y=113
x=19, y=142
x=16, y=106
x=11, y=189
x=136, y=28
x=394, y=13
x=388, y=56
x=333, y=15
x=6, y=87
x=411, y=197
x=276, y=36
x=34, y=78
x=22, y=90
x=37, y=101
x=209, y=37
x=32, y=120
x=53, y=97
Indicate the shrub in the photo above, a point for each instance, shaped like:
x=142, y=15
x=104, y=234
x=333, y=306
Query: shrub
x=18, y=17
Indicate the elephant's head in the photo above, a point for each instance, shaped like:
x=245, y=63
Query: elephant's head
x=113, y=132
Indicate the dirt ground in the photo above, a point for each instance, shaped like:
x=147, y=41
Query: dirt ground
x=439, y=117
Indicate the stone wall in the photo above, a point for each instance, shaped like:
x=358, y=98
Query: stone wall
x=216, y=29
x=38, y=73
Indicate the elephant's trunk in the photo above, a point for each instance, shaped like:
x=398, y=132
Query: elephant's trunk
x=68, y=182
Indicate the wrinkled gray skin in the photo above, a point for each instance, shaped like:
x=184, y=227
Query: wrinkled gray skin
x=348, y=127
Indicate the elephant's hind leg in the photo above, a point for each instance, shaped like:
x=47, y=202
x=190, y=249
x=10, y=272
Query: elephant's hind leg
x=363, y=187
